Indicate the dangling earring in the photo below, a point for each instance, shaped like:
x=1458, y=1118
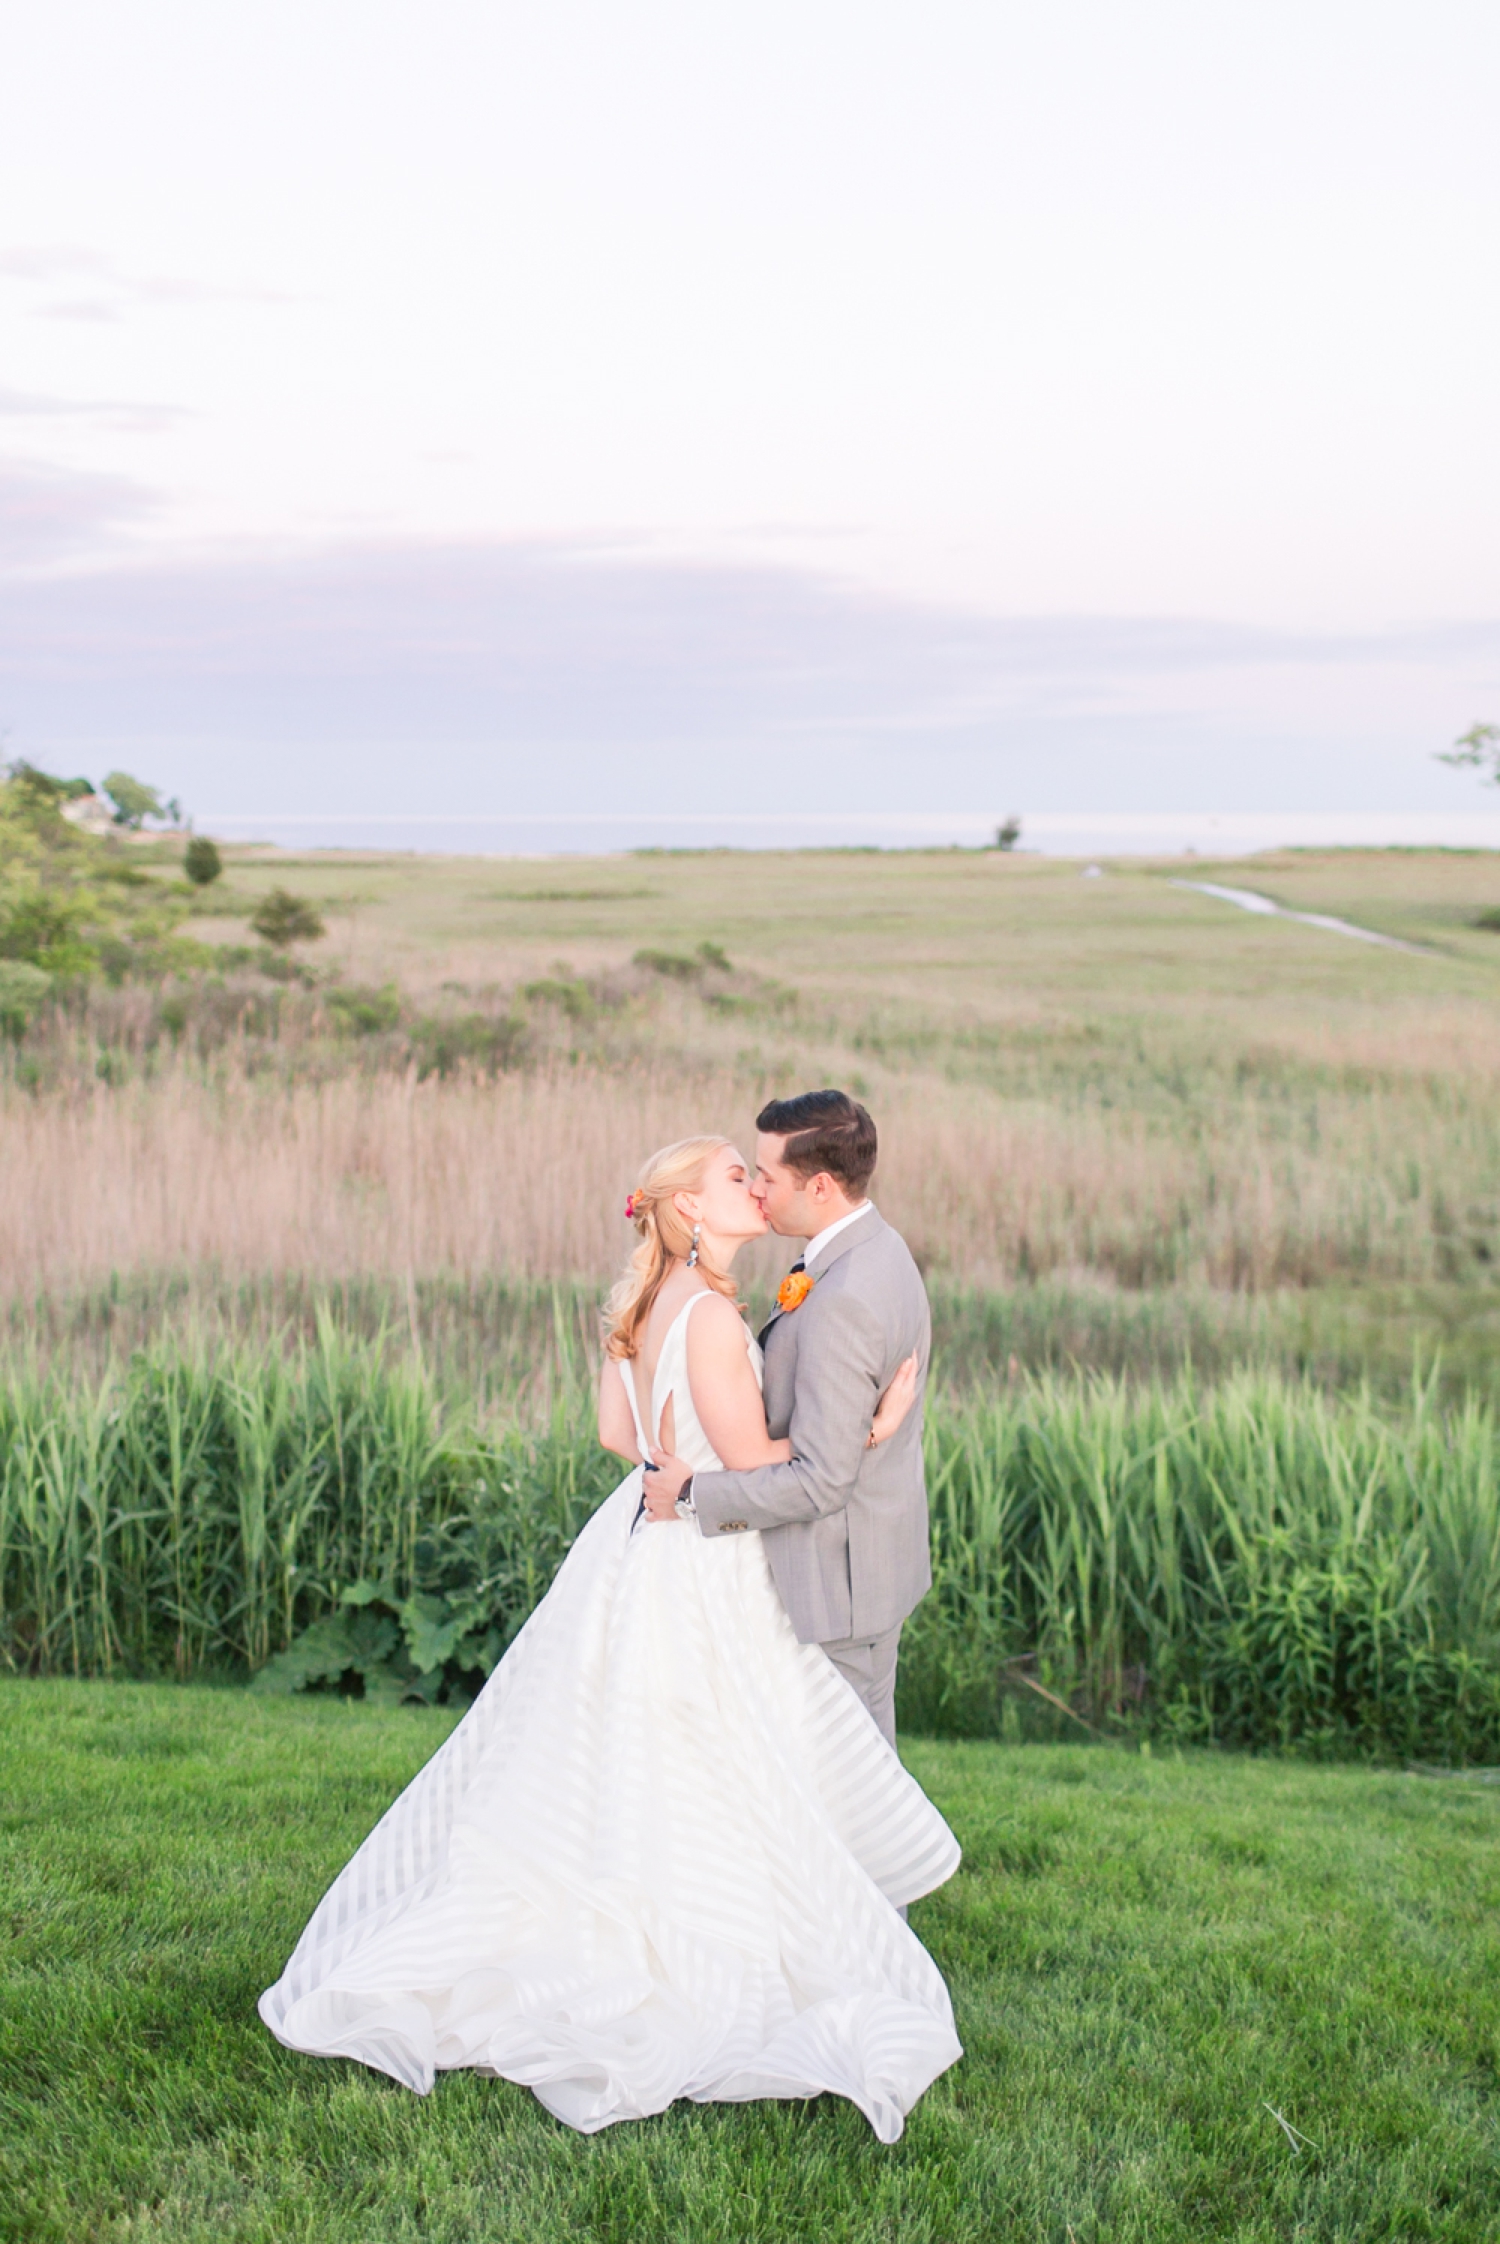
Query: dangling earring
x=692, y=1262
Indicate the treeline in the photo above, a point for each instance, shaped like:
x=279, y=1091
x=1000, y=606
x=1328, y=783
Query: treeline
x=1252, y=1564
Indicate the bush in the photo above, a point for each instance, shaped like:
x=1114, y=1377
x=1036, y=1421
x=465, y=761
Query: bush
x=572, y=997
x=201, y=861
x=442, y=1043
x=685, y=966
x=281, y=918
x=365, y=1012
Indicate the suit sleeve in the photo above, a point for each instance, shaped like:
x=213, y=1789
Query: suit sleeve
x=836, y=1396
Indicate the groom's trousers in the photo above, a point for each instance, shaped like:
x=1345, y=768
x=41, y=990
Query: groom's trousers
x=868, y=1663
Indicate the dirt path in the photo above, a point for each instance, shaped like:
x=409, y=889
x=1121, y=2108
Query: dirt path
x=1249, y=901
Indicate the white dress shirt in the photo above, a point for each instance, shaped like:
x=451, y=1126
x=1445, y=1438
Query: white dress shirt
x=825, y=1238
x=685, y=1506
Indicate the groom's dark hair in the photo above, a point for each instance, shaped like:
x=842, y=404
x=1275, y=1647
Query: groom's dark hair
x=824, y=1131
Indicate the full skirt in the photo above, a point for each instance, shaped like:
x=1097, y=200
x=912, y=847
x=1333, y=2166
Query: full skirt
x=662, y=1855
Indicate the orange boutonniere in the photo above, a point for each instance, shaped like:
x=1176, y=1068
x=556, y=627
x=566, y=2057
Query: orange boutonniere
x=793, y=1291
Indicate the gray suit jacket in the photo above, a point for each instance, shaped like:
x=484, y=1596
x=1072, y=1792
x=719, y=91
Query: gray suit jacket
x=845, y=1527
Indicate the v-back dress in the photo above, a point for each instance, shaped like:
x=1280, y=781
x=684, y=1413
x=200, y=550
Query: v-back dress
x=662, y=1855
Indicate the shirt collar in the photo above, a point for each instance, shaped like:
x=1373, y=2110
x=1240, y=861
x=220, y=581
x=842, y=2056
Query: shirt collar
x=826, y=1238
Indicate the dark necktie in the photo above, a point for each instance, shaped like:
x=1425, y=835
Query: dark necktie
x=799, y=1264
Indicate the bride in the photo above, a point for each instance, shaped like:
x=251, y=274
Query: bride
x=667, y=1851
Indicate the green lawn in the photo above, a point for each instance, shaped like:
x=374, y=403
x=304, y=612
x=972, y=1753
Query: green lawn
x=1144, y=1954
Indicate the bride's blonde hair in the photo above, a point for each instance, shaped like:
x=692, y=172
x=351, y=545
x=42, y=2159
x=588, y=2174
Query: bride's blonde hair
x=664, y=1236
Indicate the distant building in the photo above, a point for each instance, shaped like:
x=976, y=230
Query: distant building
x=91, y=812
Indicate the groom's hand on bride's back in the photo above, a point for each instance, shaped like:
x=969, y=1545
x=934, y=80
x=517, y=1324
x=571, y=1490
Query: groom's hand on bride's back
x=665, y=1485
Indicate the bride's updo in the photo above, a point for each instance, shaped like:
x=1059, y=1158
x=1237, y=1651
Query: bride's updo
x=663, y=1237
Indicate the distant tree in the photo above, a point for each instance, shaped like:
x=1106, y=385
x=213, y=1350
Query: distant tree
x=282, y=918
x=41, y=785
x=201, y=861
x=1009, y=834
x=1479, y=747
x=134, y=801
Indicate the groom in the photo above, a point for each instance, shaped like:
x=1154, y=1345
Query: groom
x=844, y=1525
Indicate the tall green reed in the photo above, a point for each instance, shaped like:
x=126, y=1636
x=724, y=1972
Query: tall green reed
x=1255, y=1562
x=1251, y=1561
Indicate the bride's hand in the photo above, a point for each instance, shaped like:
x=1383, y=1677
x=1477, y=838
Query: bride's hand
x=663, y=1487
x=895, y=1402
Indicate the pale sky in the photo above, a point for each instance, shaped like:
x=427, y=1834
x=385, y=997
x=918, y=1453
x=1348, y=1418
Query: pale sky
x=935, y=321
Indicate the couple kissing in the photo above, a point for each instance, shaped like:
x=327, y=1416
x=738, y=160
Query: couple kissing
x=669, y=1849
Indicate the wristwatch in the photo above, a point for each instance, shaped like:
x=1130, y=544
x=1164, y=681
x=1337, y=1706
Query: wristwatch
x=685, y=1508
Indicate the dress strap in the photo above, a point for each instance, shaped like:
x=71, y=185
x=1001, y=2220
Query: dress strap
x=676, y=1337
x=622, y=1365
x=669, y=1338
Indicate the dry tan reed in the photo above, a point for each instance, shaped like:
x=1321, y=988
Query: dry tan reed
x=525, y=1175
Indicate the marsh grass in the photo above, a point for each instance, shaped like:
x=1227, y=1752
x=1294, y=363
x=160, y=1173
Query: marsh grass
x=524, y=1173
x=1114, y=1081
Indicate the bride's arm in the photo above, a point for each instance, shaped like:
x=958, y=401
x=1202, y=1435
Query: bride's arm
x=725, y=1394
x=728, y=1400
x=616, y=1425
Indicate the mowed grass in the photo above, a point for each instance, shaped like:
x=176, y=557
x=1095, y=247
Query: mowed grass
x=1144, y=1955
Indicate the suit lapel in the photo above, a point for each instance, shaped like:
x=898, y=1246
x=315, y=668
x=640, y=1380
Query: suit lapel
x=862, y=1228
x=865, y=1227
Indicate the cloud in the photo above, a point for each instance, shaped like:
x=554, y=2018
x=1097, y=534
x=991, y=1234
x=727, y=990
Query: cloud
x=59, y=261
x=110, y=412
x=532, y=677
x=105, y=289
x=51, y=514
x=78, y=309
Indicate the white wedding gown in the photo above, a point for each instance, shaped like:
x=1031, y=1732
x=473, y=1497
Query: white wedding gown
x=662, y=1855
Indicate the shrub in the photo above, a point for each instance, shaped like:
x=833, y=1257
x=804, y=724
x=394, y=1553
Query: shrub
x=681, y=966
x=365, y=1012
x=201, y=861
x=443, y=1043
x=281, y=918
x=570, y=996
